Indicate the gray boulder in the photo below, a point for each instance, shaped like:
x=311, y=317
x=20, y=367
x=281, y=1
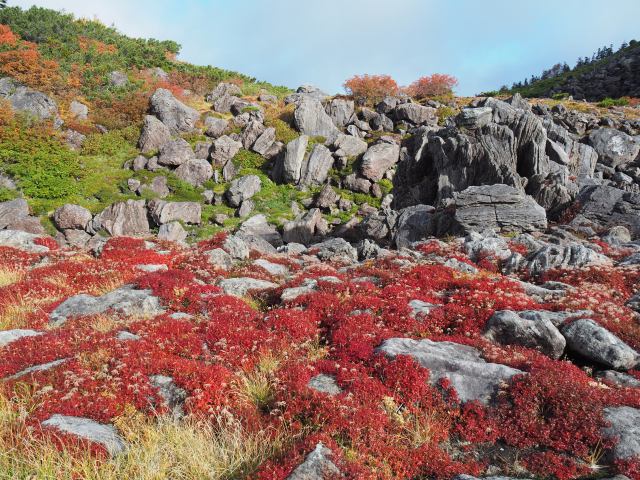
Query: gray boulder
x=239, y=287
x=609, y=207
x=289, y=169
x=172, y=395
x=508, y=328
x=573, y=255
x=154, y=135
x=175, y=153
x=263, y=143
x=619, y=378
x=194, y=171
x=118, y=79
x=215, y=127
x=416, y=114
x=594, y=342
x=242, y=189
x=172, y=232
x=178, y=117
x=78, y=110
x=127, y=218
x=315, y=169
x=125, y=300
x=223, y=150
x=165, y=212
x=303, y=228
x=87, y=429
x=349, y=146
x=413, y=224
x=219, y=258
x=496, y=207
x=71, y=216
x=324, y=384
x=316, y=466
x=258, y=227
x=378, y=159
x=311, y=119
x=615, y=148
x=625, y=428
x=473, y=118
x=223, y=89
x=335, y=249
x=341, y=111
x=28, y=101
x=12, y=210
x=22, y=241
x=471, y=376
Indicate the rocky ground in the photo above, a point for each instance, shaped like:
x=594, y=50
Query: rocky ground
x=451, y=296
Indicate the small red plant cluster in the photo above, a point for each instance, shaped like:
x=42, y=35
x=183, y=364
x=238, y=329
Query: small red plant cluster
x=371, y=88
x=435, y=85
x=252, y=357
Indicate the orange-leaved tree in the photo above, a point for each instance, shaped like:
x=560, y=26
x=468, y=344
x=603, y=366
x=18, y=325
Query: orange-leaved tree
x=370, y=89
x=7, y=37
x=435, y=85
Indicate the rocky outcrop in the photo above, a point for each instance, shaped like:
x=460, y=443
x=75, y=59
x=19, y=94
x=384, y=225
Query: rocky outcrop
x=154, y=135
x=178, y=117
x=123, y=219
x=28, y=101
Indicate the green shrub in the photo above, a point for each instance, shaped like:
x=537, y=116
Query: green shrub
x=445, y=112
x=613, y=102
x=245, y=159
x=284, y=132
x=111, y=143
x=560, y=96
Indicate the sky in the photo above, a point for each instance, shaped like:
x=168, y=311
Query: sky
x=484, y=43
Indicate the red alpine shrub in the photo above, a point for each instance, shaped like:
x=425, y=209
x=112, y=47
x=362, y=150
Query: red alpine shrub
x=434, y=85
x=370, y=89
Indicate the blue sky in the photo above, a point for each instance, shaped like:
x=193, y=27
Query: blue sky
x=292, y=42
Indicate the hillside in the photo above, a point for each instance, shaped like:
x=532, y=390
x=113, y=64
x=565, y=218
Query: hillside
x=610, y=75
x=203, y=276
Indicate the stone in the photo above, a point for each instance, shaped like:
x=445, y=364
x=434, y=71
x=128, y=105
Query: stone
x=311, y=119
x=158, y=186
x=573, y=255
x=316, y=466
x=12, y=210
x=237, y=247
x=222, y=89
x=301, y=230
x=508, y=328
x=239, y=287
x=195, y=172
x=154, y=135
x=223, y=150
x=272, y=268
x=28, y=101
x=87, y=429
x=127, y=218
x=315, y=170
x=219, y=258
x=202, y=150
x=326, y=198
x=335, y=249
x=413, y=224
x=152, y=267
x=378, y=159
x=618, y=378
x=608, y=206
x=22, y=241
x=172, y=396
x=225, y=103
x=251, y=132
x=165, y=212
x=267, y=98
x=341, y=111
x=348, y=146
x=595, y=343
x=118, y=79
x=78, y=110
x=10, y=336
x=496, y=207
x=242, y=189
x=175, y=153
x=71, y=216
x=309, y=285
x=74, y=139
x=625, y=427
x=416, y=114
x=324, y=384
x=420, y=308
x=471, y=376
x=246, y=208
x=614, y=148
x=258, y=227
x=172, y=232
x=555, y=318
x=356, y=183
x=125, y=300
x=43, y=367
x=139, y=163
x=125, y=336
x=215, y=127
x=289, y=168
x=264, y=142
x=178, y=117
x=473, y=118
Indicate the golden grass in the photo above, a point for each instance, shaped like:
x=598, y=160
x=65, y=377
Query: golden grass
x=15, y=312
x=258, y=386
x=158, y=449
x=9, y=276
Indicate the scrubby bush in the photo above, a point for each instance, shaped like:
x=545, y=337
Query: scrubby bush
x=614, y=102
x=370, y=89
x=435, y=85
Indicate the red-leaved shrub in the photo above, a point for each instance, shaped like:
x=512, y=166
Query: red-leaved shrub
x=370, y=89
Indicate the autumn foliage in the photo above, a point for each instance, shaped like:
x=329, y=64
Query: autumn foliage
x=434, y=85
x=370, y=89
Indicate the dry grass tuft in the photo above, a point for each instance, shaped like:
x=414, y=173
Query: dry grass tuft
x=15, y=312
x=9, y=276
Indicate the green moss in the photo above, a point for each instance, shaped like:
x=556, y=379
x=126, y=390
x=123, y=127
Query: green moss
x=251, y=108
x=284, y=132
x=386, y=186
x=7, y=194
x=246, y=159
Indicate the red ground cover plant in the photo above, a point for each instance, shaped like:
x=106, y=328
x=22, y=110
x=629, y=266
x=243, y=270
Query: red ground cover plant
x=388, y=421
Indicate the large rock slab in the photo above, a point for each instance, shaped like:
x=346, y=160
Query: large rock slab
x=594, y=342
x=341, y=111
x=28, y=101
x=573, y=255
x=175, y=152
x=166, y=212
x=239, y=287
x=224, y=149
x=625, y=427
x=508, y=328
x=615, y=148
x=257, y=226
x=609, y=207
x=413, y=224
x=178, y=117
x=316, y=466
x=471, y=376
x=288, y=168
x=242, y=189
x=125, y=300
x=87, y=429
x=22, y=241
x=416, y=114
x=311, y=119
x=123, y=219
x=195, y=172
x=12, y=210
x=378, y=159
x=70, y=216
x=496, y=207
x=10, y=336
x=154, y=135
